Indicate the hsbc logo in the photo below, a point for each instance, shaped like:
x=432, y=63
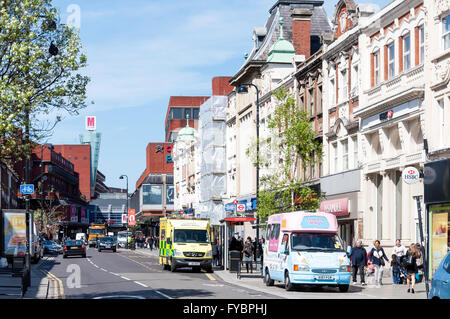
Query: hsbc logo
x=411, y=175
x=91, y=123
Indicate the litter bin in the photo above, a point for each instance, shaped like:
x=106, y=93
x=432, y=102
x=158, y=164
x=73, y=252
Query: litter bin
x=235, y=259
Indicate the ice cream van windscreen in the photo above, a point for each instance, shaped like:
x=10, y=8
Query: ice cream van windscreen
x=318, y=222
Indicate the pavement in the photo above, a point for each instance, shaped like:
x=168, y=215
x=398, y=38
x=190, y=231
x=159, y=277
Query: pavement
x=388, y=290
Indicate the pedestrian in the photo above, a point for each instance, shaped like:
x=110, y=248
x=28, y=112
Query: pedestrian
x=358, y=258
x=262, y=244
x=219, y=253
x=411, y=267
x=248, y=252
x=377, y=257
x=214, y=253
x=395, y=269
x=399, y=250
x=128, y=242
x=240, y=248
x=150, y=243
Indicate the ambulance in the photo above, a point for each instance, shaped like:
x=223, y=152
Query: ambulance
x=185, y=242
x=304, y=248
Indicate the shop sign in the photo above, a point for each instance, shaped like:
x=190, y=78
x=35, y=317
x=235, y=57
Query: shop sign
x=337, y=207
x=73, y=214
x=230, y=207
x=410, y=175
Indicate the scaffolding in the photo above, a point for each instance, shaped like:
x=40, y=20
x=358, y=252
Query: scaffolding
x=212, y=130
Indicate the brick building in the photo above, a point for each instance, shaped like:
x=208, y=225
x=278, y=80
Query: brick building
x=179, y=109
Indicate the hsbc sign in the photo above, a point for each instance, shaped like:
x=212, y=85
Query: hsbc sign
x=410, y=175
x=91, y=123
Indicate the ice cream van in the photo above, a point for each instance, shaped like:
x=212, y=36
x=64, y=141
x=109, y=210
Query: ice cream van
x=304, y=248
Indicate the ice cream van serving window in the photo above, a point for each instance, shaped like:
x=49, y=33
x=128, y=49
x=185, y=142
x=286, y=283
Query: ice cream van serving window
x=316, y=242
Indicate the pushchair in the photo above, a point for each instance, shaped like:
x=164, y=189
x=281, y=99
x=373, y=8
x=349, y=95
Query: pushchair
x=370, y=273
x=402, y=270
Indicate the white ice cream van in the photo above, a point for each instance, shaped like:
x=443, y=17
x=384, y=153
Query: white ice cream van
x=304, y=248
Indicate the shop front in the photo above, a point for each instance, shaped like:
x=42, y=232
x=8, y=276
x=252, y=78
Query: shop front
x=437, y=201
x=344, y=207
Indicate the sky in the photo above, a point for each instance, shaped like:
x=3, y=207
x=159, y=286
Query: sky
x=141, y=52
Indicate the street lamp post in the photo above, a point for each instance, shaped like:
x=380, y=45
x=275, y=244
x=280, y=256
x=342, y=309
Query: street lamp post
x=243, y=89
x=50, y=147
x=121, y=177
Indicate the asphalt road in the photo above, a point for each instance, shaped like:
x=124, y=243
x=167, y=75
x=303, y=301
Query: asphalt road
x=128, y=274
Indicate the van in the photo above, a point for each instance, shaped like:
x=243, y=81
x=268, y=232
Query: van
x=81, y=236
x=304, y=248
x=122, y=238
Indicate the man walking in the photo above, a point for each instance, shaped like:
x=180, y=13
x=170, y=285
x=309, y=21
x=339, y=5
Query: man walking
x=359, y=261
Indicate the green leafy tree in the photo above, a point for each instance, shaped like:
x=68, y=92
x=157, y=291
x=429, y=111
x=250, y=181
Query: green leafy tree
x=292, y=145
x=40, y=61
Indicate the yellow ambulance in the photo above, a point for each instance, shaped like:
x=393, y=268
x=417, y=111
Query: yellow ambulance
x=185, y=242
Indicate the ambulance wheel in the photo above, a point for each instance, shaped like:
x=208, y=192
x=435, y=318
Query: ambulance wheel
x=267, y=280
x=172, y=266
x=287, y=282
x=343, y=288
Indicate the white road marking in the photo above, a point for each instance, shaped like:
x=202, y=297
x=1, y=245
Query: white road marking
x=164, y=295
x=139, y=283
x=124, y=278
x=103, y=269
x=112, y=273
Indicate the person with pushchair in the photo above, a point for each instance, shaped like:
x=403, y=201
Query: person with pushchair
x=377, y=258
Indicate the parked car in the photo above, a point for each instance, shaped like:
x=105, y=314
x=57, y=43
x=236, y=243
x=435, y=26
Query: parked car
x=51, y=247
x=74, y=247
x=107, y=243
x=440, y=283
x=37, y=248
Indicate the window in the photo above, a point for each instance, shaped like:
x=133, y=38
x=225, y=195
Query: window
x=355, y=79
x=355, y=152
x=195, y=114
x=441, y=122
x=421, y=44
x=446, y=32
x=391, y=60
x=311, y=102
x=332, y=92
x=187, y=114
x=176, y=113
x=406, y=52
x=319, y=100
x=376, y=68
x=345, y=154
x=335, y=154
x=344, y=93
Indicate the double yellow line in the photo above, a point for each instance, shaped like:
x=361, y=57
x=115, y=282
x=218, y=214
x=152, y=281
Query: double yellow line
x=58, y=286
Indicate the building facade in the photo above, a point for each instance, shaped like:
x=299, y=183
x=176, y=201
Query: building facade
x=392, y=120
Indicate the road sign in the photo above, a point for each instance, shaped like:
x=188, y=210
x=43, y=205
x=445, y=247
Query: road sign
x=131, y=217
x=241, y=208
x=27, y=189
x=410, y=175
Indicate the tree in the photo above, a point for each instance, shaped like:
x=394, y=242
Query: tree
x=39, y=80
x=292, y=144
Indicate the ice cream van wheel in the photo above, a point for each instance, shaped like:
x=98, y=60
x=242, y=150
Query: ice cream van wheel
x=267, y=280
x=288, y=285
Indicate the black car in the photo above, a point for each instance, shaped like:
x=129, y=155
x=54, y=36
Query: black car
x=73, y=248
x=51, y=247
x=107, y=243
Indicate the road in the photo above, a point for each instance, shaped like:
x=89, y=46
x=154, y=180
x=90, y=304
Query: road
x=129, y=274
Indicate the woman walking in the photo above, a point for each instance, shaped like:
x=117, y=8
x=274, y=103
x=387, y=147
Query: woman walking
x=411, y=266
x=377, y=257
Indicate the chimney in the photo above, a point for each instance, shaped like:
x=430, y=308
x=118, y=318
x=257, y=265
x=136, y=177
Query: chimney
x=301, y=31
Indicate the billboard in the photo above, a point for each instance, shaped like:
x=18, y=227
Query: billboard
x=15, y=233
x=170, y=192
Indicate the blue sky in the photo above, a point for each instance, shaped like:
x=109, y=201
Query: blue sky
x=141, y=52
